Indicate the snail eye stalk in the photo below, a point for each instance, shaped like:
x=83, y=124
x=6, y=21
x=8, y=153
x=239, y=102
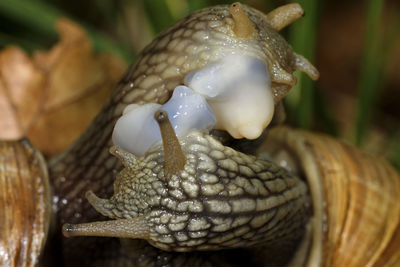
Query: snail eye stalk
x=283, y=16
x=137, y=227
x=123, y=228
x=174, y=158
x=243, y=27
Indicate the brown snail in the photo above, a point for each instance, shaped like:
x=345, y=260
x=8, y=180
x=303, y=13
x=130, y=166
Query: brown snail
x=192, y=193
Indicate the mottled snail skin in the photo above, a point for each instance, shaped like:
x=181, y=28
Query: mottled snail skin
x=220, y=199
x=192, y=43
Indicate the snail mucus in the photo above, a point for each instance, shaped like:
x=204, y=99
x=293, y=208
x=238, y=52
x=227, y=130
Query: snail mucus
x=188, y=191
x=177, y=179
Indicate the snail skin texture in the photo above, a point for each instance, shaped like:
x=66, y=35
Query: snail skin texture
x=185, y=208
x=190, y=192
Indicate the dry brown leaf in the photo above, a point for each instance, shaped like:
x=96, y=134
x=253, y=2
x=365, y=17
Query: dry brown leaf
x=53, y=97
x=21, y=90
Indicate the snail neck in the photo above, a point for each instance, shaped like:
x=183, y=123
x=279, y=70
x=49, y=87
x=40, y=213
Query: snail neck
x=86, y=165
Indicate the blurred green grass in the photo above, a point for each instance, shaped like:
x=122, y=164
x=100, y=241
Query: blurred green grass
x=371, y=72
x=30, y=24
x=38, y=18
x=302, y=37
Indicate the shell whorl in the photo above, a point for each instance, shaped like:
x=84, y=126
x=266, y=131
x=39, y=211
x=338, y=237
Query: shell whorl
x=26, y=210
x=355, y=199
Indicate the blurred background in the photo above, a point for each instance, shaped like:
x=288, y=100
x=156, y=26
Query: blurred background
x=354, y=44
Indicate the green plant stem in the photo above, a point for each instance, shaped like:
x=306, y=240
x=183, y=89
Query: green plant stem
x=396, y=158
x=34, y=14
x=159, y=13
x=370, y=73
x=302, y=35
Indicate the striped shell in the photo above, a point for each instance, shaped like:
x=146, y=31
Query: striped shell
x=356, y=199
x=25, y=198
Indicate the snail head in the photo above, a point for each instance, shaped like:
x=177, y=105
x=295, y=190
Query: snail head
x=194, y=194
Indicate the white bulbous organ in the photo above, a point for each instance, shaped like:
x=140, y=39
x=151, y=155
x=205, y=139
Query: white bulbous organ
x=238, y=89
x=233, y=94
x=188, y=110
x=136, y=131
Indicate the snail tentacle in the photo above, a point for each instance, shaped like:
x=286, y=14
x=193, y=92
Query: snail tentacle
x=302, y=64
x=282, y=16
x=174, y=158
x=101, y=205
x=123, y=228
x=127, y=159
x=243, y=27
x=284, y=77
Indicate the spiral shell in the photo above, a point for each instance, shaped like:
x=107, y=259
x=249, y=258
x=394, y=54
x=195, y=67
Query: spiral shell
x=25, y=198
x=356, y=199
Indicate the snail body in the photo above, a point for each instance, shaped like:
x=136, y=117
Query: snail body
x=215, y=39
x=219, y=198
x=192, y=193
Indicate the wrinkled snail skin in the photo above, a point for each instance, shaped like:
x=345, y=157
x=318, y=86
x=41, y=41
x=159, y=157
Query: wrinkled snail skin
x=217, y=199
x=197, y=40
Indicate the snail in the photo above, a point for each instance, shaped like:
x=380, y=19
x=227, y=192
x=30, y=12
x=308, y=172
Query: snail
x=186, y=195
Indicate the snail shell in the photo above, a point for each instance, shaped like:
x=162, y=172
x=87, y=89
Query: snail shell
x=26, y=209
x=356, y=199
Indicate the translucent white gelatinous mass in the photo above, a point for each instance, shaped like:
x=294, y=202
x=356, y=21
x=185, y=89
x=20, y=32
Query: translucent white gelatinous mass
x=233, y=94
x=238, y=89
x=136, y=131
x=188, y=110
